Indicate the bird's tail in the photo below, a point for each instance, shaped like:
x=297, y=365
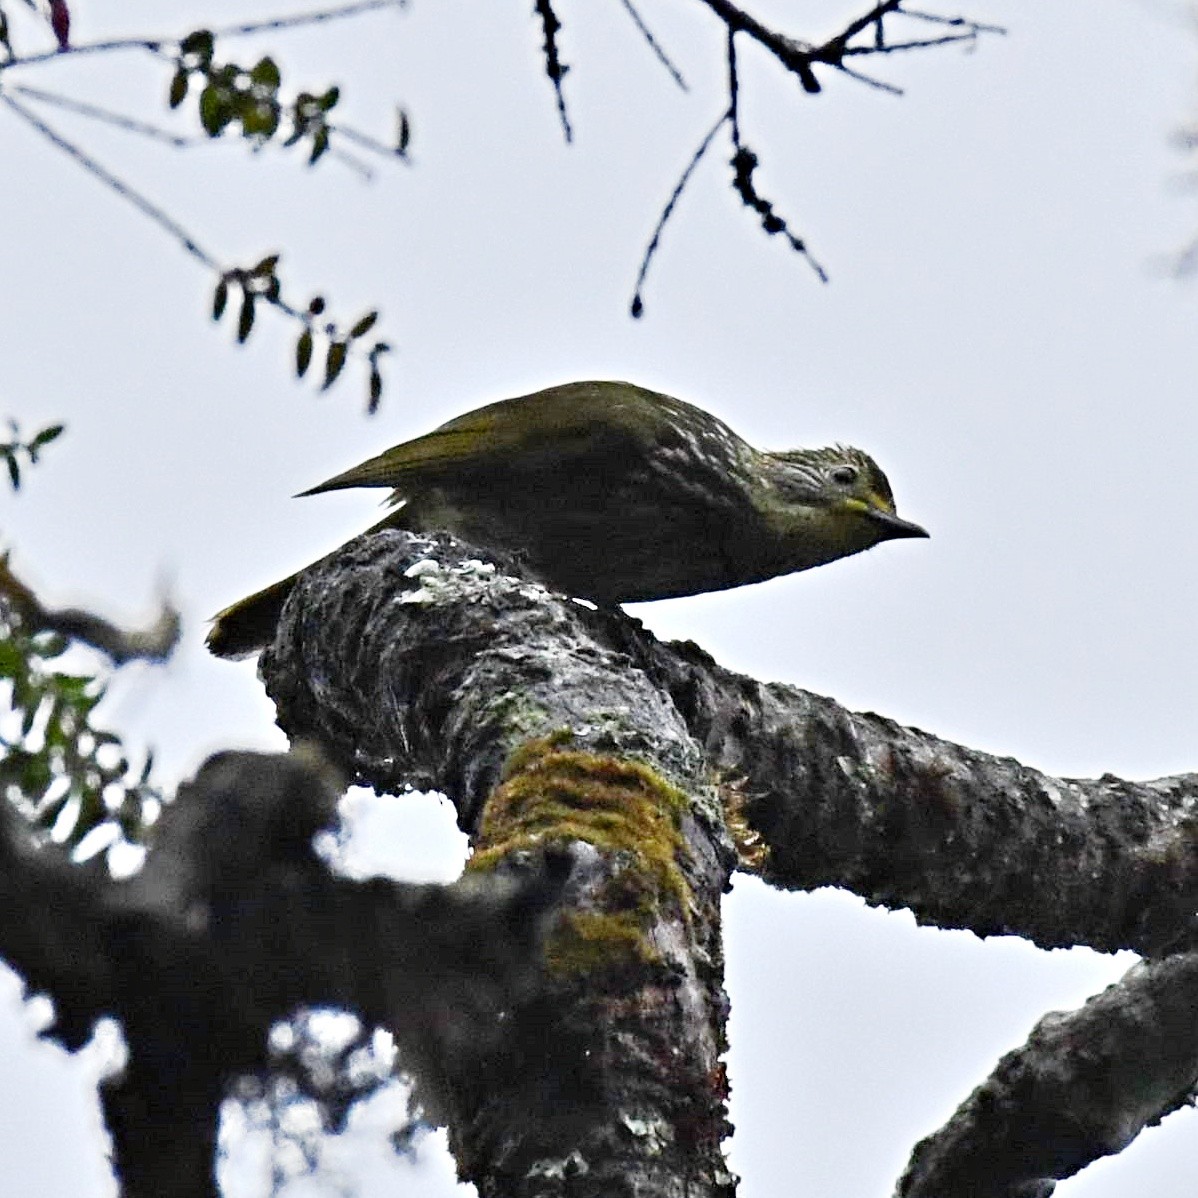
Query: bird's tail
x=248, y=625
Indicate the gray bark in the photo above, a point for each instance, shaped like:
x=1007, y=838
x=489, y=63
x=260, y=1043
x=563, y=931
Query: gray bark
x=412, y=665
x=235, y=923
x=562, y=1008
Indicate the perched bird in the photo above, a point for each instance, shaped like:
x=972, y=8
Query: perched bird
x=613, y=493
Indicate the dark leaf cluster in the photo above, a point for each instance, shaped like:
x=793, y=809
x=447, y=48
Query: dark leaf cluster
x=248, y=96
x=57, y=767
x=315, y=1077
x=261, y=283
x=338, y=345
x=16, y=449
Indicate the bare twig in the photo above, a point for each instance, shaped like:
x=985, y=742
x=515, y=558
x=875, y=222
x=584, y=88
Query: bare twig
x=97, y=170
x=106, y=116
x=111, y=46
x=153, y=643
x=794, y=55
x=637, y=307
x=799, y=58
x=745, y=162
x=654, y=44
x=319, y=17
x=158, y=45
x=554, y=67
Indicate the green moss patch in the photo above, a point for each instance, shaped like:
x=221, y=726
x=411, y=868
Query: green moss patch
x=550, y=794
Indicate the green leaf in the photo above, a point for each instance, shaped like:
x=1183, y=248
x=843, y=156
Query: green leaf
x=200, y=43
x=376, y=390
x=303, y=353
x=364, y=325
x=220, y=298
x=320, y=143
x=214, y=110
x=329, y=99
x=260, y=119
x=46, y=435
x=245, y=318
x=178, y=92
x=265, y=73
x=334, y=363
x=266, y=267
x=12, y=661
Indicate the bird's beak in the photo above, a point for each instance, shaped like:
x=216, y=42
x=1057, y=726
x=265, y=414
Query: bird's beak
x=893, y=526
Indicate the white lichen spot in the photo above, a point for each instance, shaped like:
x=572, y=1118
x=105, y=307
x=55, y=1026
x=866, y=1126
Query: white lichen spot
x=573, y=1165
x=473, y=566
x=655, y=1132
x=423, y=568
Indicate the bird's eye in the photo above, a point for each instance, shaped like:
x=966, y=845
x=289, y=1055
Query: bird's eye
x=844, y=475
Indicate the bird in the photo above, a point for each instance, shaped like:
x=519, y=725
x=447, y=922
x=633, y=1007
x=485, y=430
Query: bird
x=613, y=493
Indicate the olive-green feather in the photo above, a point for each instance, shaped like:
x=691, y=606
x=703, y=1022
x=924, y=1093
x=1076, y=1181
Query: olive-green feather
x=613, y=493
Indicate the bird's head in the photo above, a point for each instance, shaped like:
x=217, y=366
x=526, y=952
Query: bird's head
x=830, y=502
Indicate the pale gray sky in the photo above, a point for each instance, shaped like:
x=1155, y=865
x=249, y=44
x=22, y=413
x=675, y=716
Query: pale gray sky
x=995, y=333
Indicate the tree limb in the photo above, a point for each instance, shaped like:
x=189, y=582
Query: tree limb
x=962, y=838
x=156, y=642
x=234, y=924
x=414, y=661
x=1084, y=1086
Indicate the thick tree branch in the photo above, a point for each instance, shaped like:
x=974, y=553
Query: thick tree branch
x=962, y=838
x=414, y=663
x=1084, y=1086
x=234, y=924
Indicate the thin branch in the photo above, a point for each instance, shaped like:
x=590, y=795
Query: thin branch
x=369, y=143
x=157, y=45
x=145, y=206
x=654, y=44
x=794, y=55
x=745, y=162
x=106, y=116
x=153, y=643
x=637, y=307
x=937, y=19
x=319, y=17
x=554, y=67
x=920, y=44
x=874, y=17
x=869, y=81
x=114, y=45
x=799, y=57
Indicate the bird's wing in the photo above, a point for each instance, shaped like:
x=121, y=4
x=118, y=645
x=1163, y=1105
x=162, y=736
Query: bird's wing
x=561, y=421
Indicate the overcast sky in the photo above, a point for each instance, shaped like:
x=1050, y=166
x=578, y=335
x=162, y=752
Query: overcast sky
x=997, y=331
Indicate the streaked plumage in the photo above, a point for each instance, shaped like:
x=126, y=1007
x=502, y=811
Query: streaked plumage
x=614, y=493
